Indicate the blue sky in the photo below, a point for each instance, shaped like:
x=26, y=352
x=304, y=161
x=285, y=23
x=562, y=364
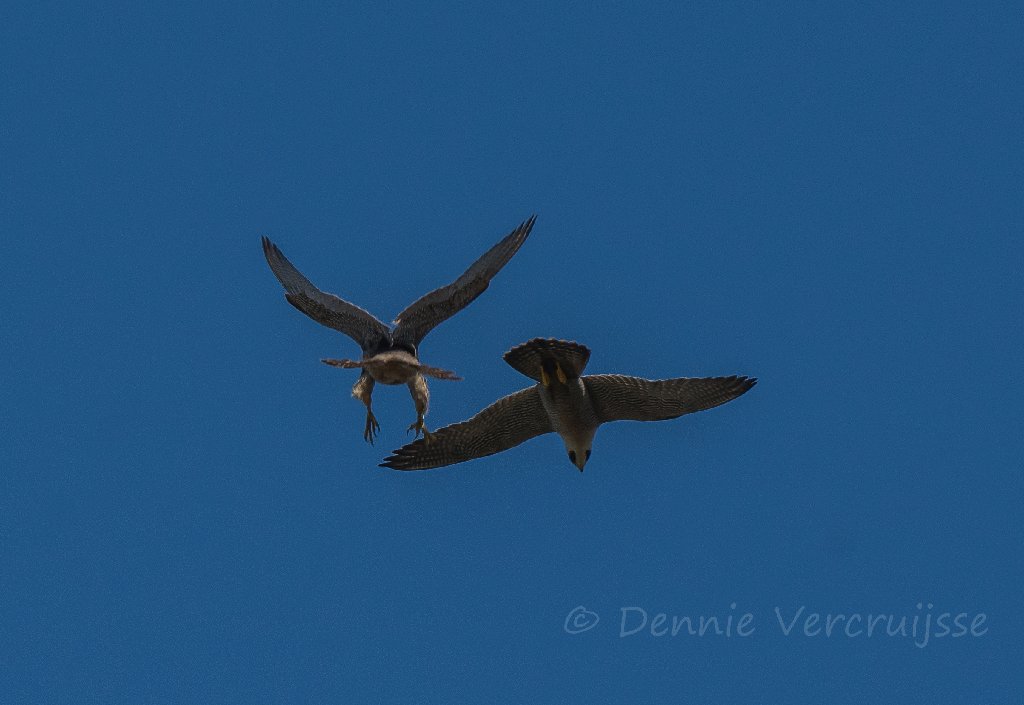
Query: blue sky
x=825, y=196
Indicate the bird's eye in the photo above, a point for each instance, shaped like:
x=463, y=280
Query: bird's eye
x=572, y=456
x=588, y=453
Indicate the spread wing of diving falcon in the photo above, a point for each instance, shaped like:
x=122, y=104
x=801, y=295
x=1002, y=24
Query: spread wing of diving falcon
x=391, y=356
x=566, y=402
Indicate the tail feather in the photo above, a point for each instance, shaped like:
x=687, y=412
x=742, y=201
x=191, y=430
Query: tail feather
x=545, y=353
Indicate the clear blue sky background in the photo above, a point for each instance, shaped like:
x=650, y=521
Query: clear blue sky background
x=826, y=197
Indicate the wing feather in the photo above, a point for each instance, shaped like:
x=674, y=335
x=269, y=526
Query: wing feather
x=622, y=398
x=326, y=309
x=504, y=424
x=420, y=317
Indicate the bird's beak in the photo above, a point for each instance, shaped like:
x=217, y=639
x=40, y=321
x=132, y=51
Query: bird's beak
x=580, y=463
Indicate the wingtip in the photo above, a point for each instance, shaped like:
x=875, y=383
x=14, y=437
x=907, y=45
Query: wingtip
x=521, y=232
x=527, y=227
x=392, y=463
x=270, y=250
x=746, y=384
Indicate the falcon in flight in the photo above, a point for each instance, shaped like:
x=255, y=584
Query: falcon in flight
x=391, y=356
x=565, y=402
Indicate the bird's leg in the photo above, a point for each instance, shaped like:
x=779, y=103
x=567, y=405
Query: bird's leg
x=363, y=391
x=421, y=396
x=561, y=375
x=372, y=428
x=419, y=427
x=544, y=379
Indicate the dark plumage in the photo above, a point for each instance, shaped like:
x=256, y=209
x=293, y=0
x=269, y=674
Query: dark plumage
x=391, y=356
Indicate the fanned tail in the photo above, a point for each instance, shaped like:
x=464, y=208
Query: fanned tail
x=548, y=354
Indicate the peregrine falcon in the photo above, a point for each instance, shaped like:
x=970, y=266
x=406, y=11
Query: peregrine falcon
x=565, y=402
x=391, y=356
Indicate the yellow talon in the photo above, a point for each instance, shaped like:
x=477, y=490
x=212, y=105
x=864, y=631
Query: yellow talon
x=544, y=378
x=561, y=375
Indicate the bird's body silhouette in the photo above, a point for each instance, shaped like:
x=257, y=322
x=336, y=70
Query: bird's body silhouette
x=566, y=402
x=391, y=356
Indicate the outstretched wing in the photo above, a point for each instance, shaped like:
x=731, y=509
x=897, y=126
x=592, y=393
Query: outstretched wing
x=504, y=424
x=323, y=308
x=421, y=317
x=621, y=398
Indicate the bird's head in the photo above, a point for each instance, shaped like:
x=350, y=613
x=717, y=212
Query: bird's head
x=577, y=446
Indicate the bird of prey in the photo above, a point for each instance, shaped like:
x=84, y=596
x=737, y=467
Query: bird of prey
x=391, y=356
x=565, y=402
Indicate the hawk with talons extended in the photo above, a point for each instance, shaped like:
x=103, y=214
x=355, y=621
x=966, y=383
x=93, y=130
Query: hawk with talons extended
x=565, y=402
x=392, y=356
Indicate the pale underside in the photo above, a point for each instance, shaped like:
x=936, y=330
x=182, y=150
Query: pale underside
x=572, y=407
